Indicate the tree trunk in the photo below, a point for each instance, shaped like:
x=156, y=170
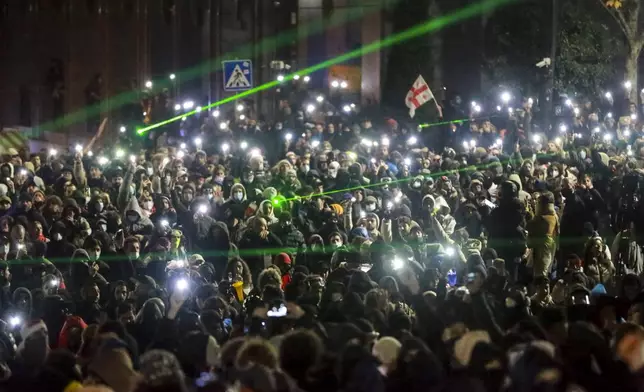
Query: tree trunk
x=631, y=68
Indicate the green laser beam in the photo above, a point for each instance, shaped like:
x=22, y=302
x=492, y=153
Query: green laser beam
x=279, y=40
x=402, y=36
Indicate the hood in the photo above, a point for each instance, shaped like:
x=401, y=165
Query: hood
x=158, y=203
x=80, y=255
x=516, y=179
x=10, y=166
x=71, y=322
x=132, y=205
x=237, y=187
x=260, y=210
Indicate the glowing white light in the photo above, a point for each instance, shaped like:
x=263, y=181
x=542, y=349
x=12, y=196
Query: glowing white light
x=608, y=137
x=449, y=251
x=122, y=129
x=223, y=125
x=198, y=141
x=54, y=282
x=15, y=321
x=563, y=128
x=280, y=78
x=608, y=95
x=385, y=141
x=148, y=84
x=568, y=102
x=498, y=142
x=90, y=154
x=397, y=264
x=182, y=146
x=344, y=84
x=103, y=161
x=243, y=145
x=473, y=143
x=335, y=84
x=633, y=116
x=466, y=144
x=373, y=160
x=182, y=284
x=296, y=77
x=288, y=136
x=310, y=108
x=242, y=117
x=346, y=108
x=177, y=107
x=505, y=97
x=203, y=208
x=198, y=109
x=319, y=98
x=78, y=148
x=374, y=144
x=576, y=111
x=315, y=143
x=365, y=142
x=536, y=138
x=407, y=161
x=255, y=152
x=627, y=133
x=181, y=154
x=530, y=101
x=596, y=129
x=225, y=147
x=557, y=140
x=353, y=106
x=119, y=153
x=164, y=222
x=609, y=115
x=412, y=140
x=240, y=107
x=498, y=108
x=187, y=105
x=628, y=85
x=132, y=158
x=477, y=109
x=173, y=76
x=510, y=110
x=474, y=104
x=307, y=79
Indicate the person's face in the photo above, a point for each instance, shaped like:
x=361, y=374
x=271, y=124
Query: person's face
x=95, y=253
x=92, y=293
x=487, y=126
x=543, y=289
x=331, y=128
x=239, y=269
x=261, y=227
x=370, y=223
x=267, y=208
x=336, y=241
x=117, y=181
x=477, y=188
x=187, y=194
x=4, y=206
x=39, y=198
x=69, y=189
x=120, y=293
x=37, y=229
x=36, y=161
x=588, y=182
x=95, y=172
x=133, y=248
x=127, y=318
x=283, y=169
x=18, y=233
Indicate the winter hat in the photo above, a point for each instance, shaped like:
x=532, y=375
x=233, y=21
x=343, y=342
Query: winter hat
x=371, y=200
x=269, y=193
x=114, y=367
x=337, y=208
x=359, y=232
x=200, y=349
x=464, y=347
x=282, y=258
x=34, y=347
x=404, y=211
x=160, y=367
x=386, y=350
x=196, y=259
x=374, y=216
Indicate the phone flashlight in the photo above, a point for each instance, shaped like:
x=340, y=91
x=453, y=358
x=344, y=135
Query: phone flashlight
x=182, y=284
x=203, y=208
x=15, y=321
x=397, y=263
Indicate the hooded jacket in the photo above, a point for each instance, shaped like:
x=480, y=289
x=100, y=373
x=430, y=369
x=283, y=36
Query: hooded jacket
x=141, y=225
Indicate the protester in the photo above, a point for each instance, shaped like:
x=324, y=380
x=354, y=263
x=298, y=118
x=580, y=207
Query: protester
x=331, y=252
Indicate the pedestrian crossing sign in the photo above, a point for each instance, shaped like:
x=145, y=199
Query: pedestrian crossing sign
x=238, y=75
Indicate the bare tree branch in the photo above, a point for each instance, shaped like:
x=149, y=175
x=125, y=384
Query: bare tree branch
x=619, y=18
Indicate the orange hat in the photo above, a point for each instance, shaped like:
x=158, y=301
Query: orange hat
x=338, y=209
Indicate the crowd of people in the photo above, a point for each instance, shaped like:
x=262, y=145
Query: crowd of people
x=328, y=252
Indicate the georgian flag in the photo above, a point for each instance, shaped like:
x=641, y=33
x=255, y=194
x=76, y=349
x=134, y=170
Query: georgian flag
x=419, y=95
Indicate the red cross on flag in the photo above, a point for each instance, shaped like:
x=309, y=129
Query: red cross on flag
x=419, y=95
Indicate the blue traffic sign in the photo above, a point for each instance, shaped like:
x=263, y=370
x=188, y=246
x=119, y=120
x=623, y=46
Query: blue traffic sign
x=238, y=75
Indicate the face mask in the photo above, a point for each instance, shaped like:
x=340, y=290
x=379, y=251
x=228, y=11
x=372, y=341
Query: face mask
x=99, y=207
x=57, y=236
x=148, y=205
x=582, y=154
x=278, y=127
x=150, y=171
x=133, y=256
x=104, y=227
x=132, y=218
x=95, y=255
x=219, y=179
x=305, y=168
x=187, y=197
x=209, y=196
x=238, y=196
x=86, y=233
x=333, y=173
x=370, y=207
x=336, y=244
x=249, y=178
x=555, y=173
